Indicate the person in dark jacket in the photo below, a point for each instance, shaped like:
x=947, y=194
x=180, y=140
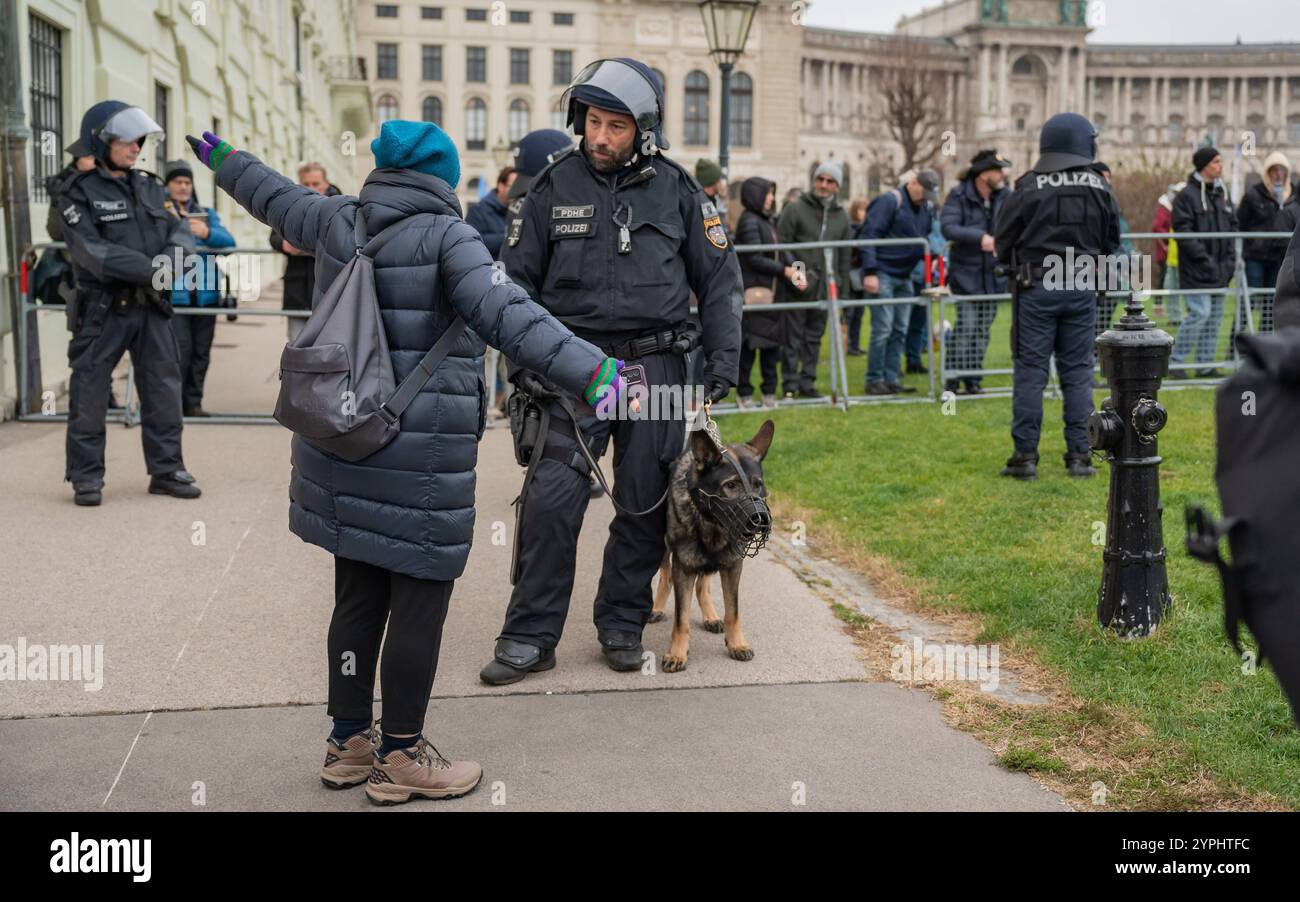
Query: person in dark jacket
x=399, y=523
x=299, y=267
x=902, y=212
x=967, y=222
x=761, y=332
x=200, y=288
x=1203, y=206
x=1270, y=205
x=488, y=216
x=815, y=215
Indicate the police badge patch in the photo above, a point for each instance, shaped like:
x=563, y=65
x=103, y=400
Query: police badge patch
x=515, y=231
x=71, y=214
x=716, y=234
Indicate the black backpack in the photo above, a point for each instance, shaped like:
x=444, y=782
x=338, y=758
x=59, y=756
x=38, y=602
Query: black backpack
x=1257, y=413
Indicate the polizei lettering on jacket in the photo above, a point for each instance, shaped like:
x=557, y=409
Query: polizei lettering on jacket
x=579, y=229
x=1077, y=177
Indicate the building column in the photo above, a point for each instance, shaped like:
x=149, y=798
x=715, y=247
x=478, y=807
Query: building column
x=952, y=101
x=1002, y=86
x=1283, y=106
x=1152, y=85
x=1164, y=101
x=1114, y=102
x=982, y=100
x=1230, y=115
x=1269, y=84
x=1126, y=103
x=1064, y=75
x=1205, y=101
x=1081, y=78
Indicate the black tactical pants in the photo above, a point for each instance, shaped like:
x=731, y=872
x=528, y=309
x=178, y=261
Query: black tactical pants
x=1060, y=323
x=194, y=343
x=556, y=502
x=103, y=337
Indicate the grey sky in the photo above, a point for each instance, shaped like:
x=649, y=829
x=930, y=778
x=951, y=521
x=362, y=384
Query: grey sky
x=1127, y=21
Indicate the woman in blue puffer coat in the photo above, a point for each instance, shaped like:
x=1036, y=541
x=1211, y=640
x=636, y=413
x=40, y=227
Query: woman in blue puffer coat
x=399, y=522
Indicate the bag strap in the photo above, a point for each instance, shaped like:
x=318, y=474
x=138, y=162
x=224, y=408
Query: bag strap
x=1203, y=543
x=393, y=408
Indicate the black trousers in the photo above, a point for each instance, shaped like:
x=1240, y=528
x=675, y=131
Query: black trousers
x=556, y=503
x=194, y=343
x=768, y=361
x=104, y=336
x=803, y=348
x=366, y=598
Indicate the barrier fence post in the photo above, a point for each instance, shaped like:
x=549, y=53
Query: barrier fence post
x=839, y=370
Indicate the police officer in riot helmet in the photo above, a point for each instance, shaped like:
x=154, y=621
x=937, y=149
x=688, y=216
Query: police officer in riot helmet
x=612, y=238
x=124, y=247
x=1061, y=205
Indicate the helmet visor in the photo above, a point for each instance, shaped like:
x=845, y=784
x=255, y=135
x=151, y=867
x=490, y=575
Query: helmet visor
x=625, y=83
x=130, y=124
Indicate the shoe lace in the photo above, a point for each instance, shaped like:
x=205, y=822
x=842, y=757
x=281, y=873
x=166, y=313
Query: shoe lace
x=430, y=761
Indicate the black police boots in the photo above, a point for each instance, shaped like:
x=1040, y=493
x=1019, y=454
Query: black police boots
x=179, y=485
x=87, y=494
x=622, y=649
x=1022, y=465
x=1079, y=464
x=515, y=660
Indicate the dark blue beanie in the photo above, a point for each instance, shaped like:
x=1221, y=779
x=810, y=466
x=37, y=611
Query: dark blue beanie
x=421, y=146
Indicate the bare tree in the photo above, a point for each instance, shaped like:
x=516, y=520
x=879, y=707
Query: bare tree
x=915, y=91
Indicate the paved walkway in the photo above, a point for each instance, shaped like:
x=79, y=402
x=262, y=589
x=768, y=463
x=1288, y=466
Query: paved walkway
x=212, y=618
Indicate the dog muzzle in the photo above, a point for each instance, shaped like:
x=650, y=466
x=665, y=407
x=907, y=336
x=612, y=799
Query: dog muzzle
x=746, y=520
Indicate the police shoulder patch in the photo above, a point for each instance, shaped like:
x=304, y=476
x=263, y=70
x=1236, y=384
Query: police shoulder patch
x=714, y=231
x=71, y=214
x=515, y=231
x=708, y=209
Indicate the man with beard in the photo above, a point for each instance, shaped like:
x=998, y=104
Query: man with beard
x=612, y=239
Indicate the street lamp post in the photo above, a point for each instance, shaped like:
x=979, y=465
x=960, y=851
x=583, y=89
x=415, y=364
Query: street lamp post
x=726, y=26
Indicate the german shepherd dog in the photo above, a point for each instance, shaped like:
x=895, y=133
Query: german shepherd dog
x=698, y=547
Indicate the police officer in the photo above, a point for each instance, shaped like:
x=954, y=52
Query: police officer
x=1062, y=203
x=612, y=237
x=123, y=247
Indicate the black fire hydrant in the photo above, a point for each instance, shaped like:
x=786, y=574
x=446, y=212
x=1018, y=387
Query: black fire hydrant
x=1134, y=357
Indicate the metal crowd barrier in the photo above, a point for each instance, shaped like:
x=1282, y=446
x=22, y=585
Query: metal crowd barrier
x=937, y=304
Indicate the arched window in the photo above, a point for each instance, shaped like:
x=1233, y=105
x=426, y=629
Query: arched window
x=742, y=110
x=475, y=124
x=1026, y=65
x=431, y=110
x=386, y=108
x=559, y=114
x=518, y=120
x=696, y=118
x=1019, y=113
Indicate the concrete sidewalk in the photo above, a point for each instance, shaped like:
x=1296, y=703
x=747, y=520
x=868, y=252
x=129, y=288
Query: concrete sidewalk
x=212, y=618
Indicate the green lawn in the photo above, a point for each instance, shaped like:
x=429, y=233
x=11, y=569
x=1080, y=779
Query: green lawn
x=922, y=490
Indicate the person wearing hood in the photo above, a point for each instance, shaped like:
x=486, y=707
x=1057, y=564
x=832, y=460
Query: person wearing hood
x=967, y=222
x=399, y=523
x=1203, y=263
x=763, y=274
x=815, y=215
x=1270, y=205
x=123, y=246
x=194, y=334
x=612, y=238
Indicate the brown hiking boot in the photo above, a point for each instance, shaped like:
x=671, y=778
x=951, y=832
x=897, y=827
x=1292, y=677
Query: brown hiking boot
x=420, y=772
x=348, y=764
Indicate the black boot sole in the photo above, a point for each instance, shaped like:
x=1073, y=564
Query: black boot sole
x=159, y=490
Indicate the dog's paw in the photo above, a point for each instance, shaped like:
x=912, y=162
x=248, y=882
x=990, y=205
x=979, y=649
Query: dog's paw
x=712, y=626
x=741, y=653
x=674, y=664
x=657, y=617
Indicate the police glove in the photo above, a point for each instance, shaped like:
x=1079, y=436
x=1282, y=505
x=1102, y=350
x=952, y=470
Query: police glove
x=715, y=391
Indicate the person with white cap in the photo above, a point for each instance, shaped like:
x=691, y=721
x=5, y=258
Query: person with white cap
x=1270, y=205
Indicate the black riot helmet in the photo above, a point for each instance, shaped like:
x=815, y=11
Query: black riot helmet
x=1067, y=141
x=621, y=86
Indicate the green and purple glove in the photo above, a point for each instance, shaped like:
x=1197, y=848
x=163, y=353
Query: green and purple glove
x=605, y=386
x=211, y=150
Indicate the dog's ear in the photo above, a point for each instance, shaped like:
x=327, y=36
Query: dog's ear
x=762, y=439
x=703, y=449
